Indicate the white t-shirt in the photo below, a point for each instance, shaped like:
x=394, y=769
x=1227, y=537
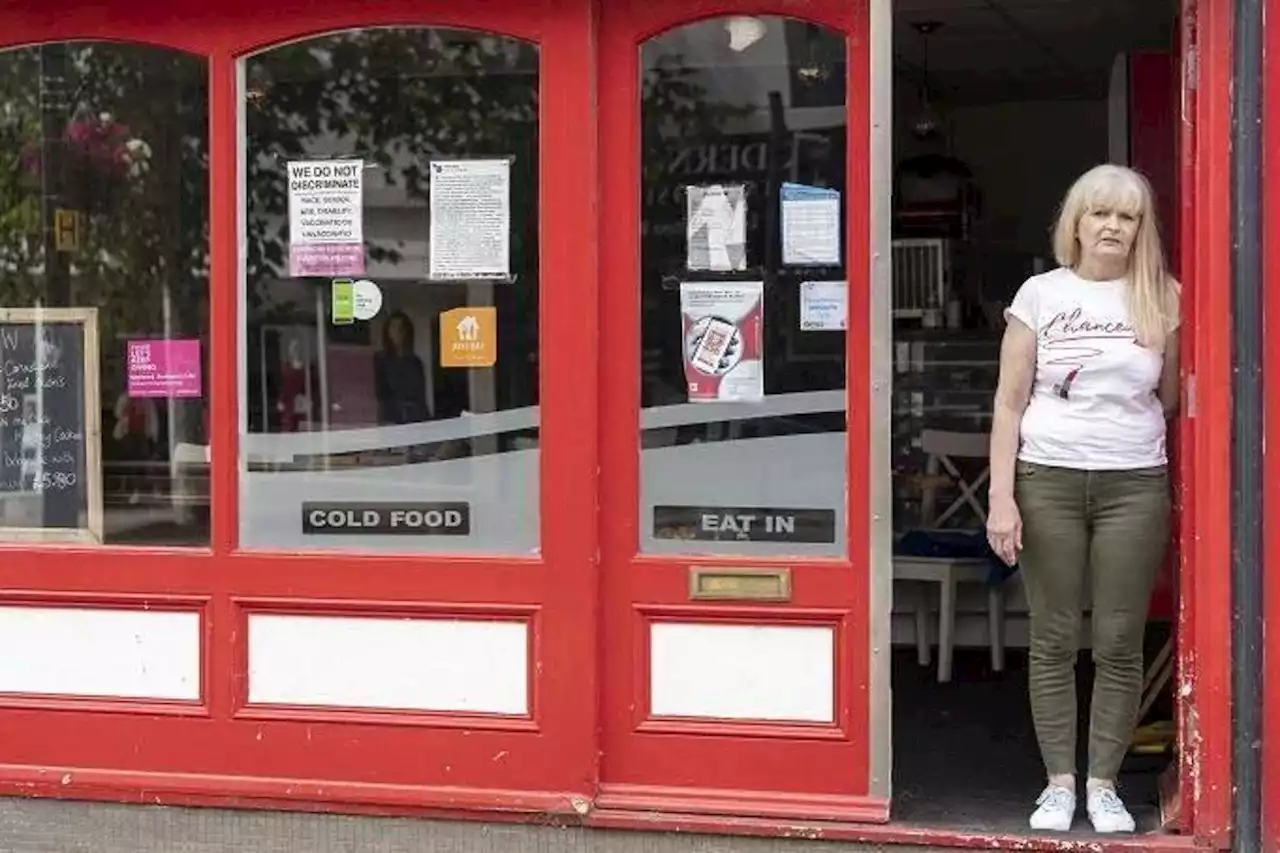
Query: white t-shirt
x=1093, y=405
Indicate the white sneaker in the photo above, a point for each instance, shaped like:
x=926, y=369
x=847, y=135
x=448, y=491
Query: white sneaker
x=1107, y=813
x=1055, y=810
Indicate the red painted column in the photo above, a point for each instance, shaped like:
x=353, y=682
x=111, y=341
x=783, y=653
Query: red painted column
x=1205, y=617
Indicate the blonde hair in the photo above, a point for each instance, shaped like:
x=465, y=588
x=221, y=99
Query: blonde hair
x=1152, y=293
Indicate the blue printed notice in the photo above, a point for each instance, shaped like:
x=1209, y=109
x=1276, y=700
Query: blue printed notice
x=810, y=226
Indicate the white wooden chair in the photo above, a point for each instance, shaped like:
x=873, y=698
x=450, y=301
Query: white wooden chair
x=942, y=449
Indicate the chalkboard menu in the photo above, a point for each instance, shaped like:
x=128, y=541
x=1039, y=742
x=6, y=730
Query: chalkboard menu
x=50, y=485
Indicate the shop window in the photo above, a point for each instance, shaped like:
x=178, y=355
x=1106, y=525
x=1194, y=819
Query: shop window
x=389, y=384
x=743, y=284
x=104, y=284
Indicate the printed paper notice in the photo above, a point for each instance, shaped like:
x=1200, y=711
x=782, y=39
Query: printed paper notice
x=810, y=226
x=824, y=306
x=470, y=220
x=163, y=368
x=366, y=300
x=716, y=228
x=354, y=300
x=723, y=328
x=326, y=218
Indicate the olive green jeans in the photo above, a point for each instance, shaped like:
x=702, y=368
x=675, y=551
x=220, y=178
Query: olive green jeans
x=1100, y=534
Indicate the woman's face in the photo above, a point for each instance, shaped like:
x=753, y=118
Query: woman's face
x=1107, y=233
x=395, y=331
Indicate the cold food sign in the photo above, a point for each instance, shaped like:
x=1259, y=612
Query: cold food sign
x=439, y=518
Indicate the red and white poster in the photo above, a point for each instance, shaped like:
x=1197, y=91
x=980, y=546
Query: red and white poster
x=722, y=327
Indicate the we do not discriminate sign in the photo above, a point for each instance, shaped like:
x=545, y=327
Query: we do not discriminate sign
x=326, y=218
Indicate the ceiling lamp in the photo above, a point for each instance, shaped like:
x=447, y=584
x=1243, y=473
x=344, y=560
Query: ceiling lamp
x=744, y=31
x=927, y=123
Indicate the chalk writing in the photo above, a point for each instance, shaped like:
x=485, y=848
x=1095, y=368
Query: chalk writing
x=42, y=425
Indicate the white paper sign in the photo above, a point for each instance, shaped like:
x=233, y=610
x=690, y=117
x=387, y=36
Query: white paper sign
x=824, y=306
x=326, y=217
x=716, y=228
x=366, y=300
x=470, y=220
x=810, y=226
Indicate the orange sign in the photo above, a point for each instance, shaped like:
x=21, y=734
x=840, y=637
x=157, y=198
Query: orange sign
x=469, y=337
x=68, y=230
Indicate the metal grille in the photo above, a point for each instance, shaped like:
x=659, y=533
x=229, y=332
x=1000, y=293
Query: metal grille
x=921, y=277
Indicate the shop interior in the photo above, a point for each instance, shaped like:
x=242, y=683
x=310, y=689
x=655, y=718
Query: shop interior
x=998, y=107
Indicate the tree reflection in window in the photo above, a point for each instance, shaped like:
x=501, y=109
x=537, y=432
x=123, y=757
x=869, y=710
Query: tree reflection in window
x=754, y=102
x=114, y=139
x=394, y=99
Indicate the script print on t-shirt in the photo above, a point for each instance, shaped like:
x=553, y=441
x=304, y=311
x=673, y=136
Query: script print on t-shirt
x=1094, y=402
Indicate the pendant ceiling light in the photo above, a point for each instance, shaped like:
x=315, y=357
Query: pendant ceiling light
x=928, y=123
x=814, y=67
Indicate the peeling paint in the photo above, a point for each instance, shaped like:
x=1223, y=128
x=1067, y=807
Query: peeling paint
x=1194, y=744
x=1030, y=844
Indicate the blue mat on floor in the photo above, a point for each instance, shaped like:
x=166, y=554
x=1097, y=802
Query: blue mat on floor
x=954, y=545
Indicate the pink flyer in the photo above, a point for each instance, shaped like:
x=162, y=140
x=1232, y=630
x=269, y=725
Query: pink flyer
x=164, y=368
x=326, y=260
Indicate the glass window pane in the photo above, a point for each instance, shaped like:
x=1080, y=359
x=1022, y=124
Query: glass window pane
x=390, y=372
x=104, y=283
x=742, y=419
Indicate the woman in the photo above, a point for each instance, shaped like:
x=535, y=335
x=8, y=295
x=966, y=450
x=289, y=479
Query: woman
x=400, y=381
x=1079, y=493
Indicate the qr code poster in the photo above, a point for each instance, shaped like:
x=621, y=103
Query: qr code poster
x=723, y=333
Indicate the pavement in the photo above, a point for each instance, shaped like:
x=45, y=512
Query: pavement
x=52, y=826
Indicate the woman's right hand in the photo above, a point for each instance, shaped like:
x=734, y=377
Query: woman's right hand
x=1004, y=529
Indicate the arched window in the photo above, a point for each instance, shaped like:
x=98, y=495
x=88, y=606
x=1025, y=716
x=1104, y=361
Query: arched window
x=743, y=288
x=390, y=370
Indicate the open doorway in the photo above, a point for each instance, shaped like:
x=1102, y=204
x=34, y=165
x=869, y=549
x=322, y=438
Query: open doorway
x=999, y=105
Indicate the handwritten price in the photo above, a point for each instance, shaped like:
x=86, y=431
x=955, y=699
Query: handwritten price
x=53, y=481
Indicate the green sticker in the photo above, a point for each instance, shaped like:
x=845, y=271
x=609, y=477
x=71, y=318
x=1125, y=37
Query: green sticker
x=344, y=302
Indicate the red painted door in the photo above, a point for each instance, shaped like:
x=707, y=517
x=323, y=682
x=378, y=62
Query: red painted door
x=736, y=408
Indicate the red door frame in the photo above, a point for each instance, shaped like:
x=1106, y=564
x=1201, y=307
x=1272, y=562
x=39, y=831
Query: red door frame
x=219, y=750
x=1205, y=584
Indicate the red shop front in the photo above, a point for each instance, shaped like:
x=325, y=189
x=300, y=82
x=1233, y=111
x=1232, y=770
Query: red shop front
x=359, y=466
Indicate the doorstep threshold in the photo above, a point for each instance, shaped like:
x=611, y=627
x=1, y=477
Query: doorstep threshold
x=894, y=832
